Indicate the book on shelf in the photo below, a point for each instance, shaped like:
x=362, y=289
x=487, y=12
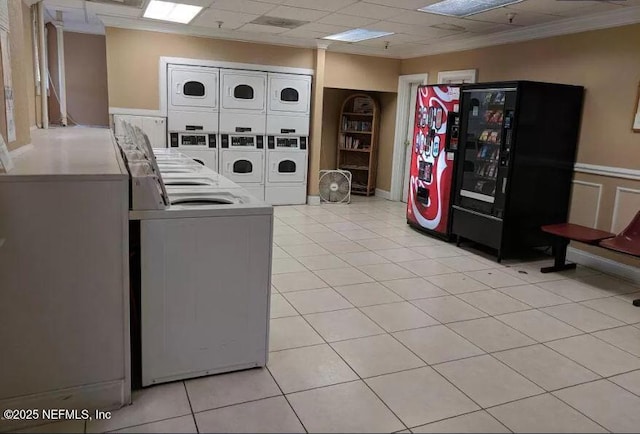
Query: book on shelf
x=348, y=142
x=349, y=125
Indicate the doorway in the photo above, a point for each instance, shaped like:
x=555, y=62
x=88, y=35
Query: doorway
x=408, y=143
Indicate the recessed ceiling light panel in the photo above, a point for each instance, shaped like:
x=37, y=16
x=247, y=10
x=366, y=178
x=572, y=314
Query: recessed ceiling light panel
x=357, y=35
x=464, y=8
x=169, y=11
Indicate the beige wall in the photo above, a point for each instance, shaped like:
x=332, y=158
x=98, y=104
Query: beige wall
x=53, y=105
x=133, y=58
x=333, y=99
x=606, y=62
x=388, y=103
x=349, y=71
x=86, y=78
x=27, y=50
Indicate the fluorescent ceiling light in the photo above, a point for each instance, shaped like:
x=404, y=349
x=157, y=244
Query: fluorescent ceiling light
x=357, y=35
x=169, y=11
x=463, y=8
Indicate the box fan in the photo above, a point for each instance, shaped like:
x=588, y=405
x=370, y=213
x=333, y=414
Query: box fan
x=335, y=186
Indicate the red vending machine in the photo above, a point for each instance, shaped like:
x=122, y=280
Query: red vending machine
x=435, y=146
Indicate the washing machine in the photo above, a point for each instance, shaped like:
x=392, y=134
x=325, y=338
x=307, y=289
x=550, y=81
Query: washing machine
x=193, y=107
x=286, y=170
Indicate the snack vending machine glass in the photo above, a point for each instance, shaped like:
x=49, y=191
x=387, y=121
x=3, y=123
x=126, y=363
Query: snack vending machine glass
x=434, y=149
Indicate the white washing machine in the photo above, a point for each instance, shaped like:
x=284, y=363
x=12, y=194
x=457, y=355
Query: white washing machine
x=193, y=111
x=286, y=170
x=242, y=160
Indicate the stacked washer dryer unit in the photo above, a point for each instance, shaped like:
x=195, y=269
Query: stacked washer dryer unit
x=242, y=128
x=192, y=108
x=287, y=139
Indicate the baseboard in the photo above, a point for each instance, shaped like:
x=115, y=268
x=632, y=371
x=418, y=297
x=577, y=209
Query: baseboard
x=110, y=395
x=605, y=265
x=383, y=194
x=21, y=150
x=313, y=200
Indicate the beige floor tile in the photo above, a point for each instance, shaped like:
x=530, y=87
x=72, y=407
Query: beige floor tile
x=379, y=244
x=286, y=265
x=278, y=253
x=490, y=334
x=343, y=247
x=601, y=357
x=493, y=302
x=65, y=426
x=386, y=271
x=465, y=263
x=349, y=407
x=605, y=403
x=297, y=281
x=574, y=290
x=487, y=381
x=415, y=240
x=495, y=278
x=437, y=344
x=401, y=254
x=629, y=381
x=343, y=324
x=326, y=237
x=317, y=300
x=291, y=332
x=611, y=285
x=582, y=317
x=414, y=288
x=534, y=296
x=283, y=229
x=182, y=424
x=309, y=367
x=394, y=317
x=531, y=273
x=301, y=250
x=234, y=388
x=344, y=226
x=538, y=325
x=359, y=234
x=363, y=258
x=420, y=396
x=343, y=276
x=322, y=262
x=615, y=308
x=543, y=414
x=148, y=405
x=426, y=267
x=376, y=355
x=457, y=283
x=280, y=307
x=291, y=240
x=477, y=422
x=439, y=251
x=268, y=415
x=629, y=297
x=310, y=228
x=626, y=338
x=545, y=367
x=448, y=309
x=368, y=294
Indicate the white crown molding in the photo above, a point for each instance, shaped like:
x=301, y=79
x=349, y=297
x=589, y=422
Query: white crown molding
x=609, y=171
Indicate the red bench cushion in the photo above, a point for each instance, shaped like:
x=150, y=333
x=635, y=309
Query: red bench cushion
x=577, y=232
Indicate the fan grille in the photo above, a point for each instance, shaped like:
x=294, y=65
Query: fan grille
x=335, y=186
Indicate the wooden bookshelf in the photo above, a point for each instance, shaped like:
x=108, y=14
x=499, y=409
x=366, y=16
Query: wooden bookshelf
x=358, y=142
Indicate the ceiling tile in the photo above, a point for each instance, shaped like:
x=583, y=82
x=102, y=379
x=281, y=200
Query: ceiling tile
x=210, y=18
x=521, y=18
x=419, y=18
x=118, y=11
x=303, y=34
x=349, y=21
x=409, y=29
x=327, y=29
x=203, y=3
x=394, y=41
x=321, y=5
x=245, y=6
x=404, y=4
x=259, y=28
x=565, y=8
x=370, y=10
x=297, y=13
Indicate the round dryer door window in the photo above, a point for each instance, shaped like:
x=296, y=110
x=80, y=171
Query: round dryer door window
x=193, y=89
x=242, y=167
x=289, y=94
x=287, y=166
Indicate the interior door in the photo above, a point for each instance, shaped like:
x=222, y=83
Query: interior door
x=244, y=90
x=286, y=166
x=193, y=87
x=289, y=93
x=413, y=95
x=243, y=166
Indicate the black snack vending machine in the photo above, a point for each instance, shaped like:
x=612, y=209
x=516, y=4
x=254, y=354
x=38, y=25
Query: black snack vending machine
x=515, y=162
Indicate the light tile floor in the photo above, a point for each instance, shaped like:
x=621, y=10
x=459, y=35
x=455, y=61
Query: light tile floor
x=378, y=328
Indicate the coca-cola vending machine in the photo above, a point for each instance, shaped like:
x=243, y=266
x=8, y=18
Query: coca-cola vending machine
x=434, y=149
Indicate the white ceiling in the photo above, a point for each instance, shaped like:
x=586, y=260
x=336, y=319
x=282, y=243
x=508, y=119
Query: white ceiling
x=415, y=33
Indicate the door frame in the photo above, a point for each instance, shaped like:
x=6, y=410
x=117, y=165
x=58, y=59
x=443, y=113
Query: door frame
x=402, y=117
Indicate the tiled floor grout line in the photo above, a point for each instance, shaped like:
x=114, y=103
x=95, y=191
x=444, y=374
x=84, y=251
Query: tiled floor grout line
x=284, y=395
x=186, y=391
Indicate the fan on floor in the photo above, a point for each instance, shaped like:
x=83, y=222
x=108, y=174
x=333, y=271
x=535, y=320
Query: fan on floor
x=335, y=186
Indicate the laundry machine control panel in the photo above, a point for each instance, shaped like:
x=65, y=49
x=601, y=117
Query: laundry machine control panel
x=203, y=140
x=285, y=142
x=237, y=141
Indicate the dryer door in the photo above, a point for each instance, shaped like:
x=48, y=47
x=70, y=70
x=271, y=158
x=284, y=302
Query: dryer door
x=193, y=87
x=287, y=166
x=243, y=166
x=244, y=90
x=289, y=93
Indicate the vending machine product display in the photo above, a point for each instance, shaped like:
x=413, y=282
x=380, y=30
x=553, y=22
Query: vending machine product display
x=434, y=149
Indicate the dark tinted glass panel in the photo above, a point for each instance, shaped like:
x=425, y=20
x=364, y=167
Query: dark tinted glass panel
x=243, y=91
x=287, y=166
x=289, y=94
x=193, y=88
x=242, y=166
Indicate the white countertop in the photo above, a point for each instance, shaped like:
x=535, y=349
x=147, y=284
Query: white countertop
x=70, y=151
